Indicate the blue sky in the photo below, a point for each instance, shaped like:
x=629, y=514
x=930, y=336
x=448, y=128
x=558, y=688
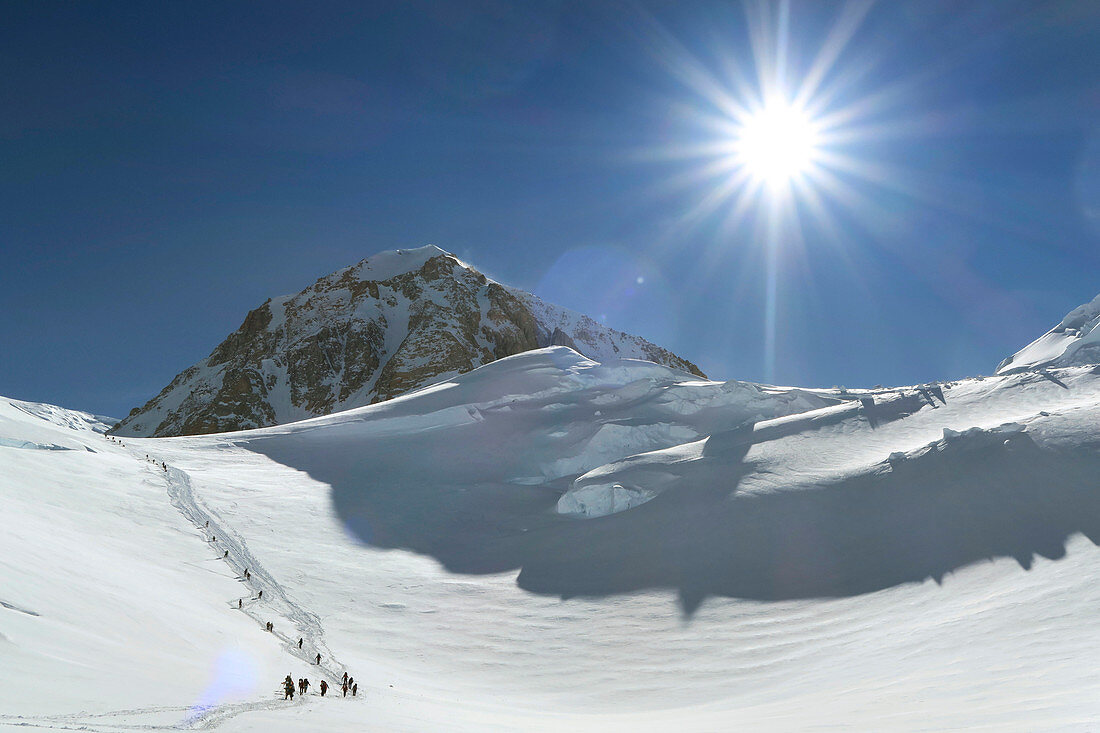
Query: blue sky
x=168, y=167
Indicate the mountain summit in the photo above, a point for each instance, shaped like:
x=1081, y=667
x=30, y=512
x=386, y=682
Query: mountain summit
x=390, y=324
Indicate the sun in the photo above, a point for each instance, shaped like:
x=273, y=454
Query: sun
x=776, y=144
x=775, y=138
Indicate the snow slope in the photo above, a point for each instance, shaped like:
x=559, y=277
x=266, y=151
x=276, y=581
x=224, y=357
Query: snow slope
x=915, y=558
x=109, y=599
x=1074, y=341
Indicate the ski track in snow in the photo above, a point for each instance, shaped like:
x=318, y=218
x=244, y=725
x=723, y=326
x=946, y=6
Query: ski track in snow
x=275, y=604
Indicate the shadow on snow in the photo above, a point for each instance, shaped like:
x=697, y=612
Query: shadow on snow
x=955, y=503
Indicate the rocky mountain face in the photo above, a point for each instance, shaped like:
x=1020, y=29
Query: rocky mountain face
x=1074, y=341
x=388, y=325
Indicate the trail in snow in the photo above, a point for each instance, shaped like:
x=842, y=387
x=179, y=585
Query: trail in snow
x=275, y=601
x=116, y=721
x=274, y=605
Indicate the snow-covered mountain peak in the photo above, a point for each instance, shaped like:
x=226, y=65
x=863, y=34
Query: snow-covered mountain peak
x=1074, y=341
x=394, y=262
x=392, y=323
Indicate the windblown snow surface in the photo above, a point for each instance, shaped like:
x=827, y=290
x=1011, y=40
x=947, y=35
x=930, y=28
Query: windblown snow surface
x=548, y=543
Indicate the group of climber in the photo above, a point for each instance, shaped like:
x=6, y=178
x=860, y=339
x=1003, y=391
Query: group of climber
x=159, y=464
x=303, y=687
x=347, y=684
x=247, y=575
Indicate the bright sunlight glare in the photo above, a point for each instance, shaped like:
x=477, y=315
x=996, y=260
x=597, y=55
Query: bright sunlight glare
x=777, y=140
x=777, y=144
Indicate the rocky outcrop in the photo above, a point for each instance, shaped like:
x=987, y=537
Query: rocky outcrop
x=388, y=325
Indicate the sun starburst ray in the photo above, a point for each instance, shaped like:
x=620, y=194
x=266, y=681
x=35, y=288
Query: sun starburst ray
x=787, y=142
x=851, y=18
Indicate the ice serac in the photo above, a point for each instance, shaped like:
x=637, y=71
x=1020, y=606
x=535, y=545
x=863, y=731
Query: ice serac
x=1073, y=342
x=388, y=325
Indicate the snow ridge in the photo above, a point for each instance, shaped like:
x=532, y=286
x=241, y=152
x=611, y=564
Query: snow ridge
x=1073, y=342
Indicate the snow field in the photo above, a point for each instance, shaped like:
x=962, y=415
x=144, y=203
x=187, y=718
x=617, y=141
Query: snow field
x=874, y=560
x=111, y=601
